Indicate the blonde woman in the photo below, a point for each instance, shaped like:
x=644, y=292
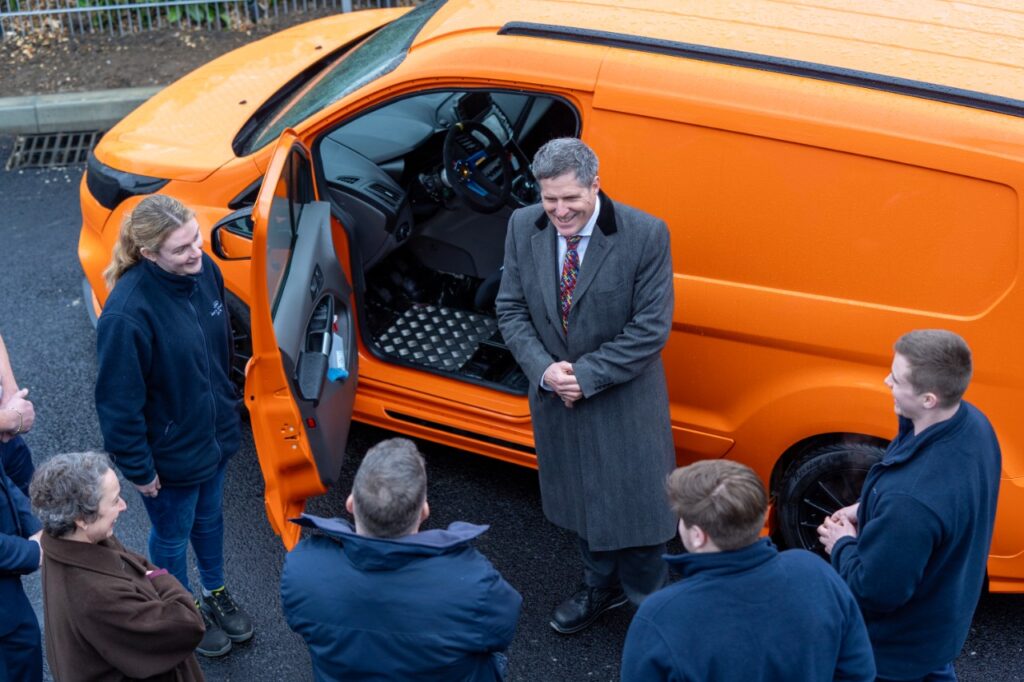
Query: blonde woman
x=166, y=405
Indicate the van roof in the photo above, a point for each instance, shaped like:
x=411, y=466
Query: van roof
x=973, y=45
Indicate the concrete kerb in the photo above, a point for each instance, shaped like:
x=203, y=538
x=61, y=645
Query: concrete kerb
x=71, y=111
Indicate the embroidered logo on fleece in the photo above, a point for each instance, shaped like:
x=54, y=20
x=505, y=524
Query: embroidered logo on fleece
x=218, y=308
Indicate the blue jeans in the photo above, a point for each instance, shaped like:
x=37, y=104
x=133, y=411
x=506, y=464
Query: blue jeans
x=183, y=513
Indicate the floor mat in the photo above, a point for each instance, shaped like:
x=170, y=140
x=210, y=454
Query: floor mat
x=442, y=338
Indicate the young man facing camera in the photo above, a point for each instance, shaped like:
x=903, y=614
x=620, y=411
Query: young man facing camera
x=743, y=610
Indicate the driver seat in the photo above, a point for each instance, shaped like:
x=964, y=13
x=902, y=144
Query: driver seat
x=487, y=292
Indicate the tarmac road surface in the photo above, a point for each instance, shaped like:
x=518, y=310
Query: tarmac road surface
x=52, y=347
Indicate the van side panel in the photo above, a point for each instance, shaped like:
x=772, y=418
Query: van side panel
x=812, y=224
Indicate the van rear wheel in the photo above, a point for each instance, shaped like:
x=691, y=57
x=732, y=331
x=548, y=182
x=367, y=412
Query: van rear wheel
x=826, y=480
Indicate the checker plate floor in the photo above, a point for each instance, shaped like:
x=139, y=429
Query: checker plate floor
x=442, y=338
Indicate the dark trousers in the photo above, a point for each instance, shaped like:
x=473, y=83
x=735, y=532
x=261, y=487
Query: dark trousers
x=944, y=674
x=638, y=570
x=21, y=651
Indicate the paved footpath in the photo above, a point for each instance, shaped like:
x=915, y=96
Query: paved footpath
x=52, y=346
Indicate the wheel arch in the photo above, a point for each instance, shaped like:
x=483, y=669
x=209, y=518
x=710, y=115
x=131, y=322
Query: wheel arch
x=799, y=452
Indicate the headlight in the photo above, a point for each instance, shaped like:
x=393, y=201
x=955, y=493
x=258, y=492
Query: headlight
x=110, y=186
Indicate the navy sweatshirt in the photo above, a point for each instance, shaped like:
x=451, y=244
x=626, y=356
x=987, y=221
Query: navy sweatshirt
x=926, y=516
x=164, y=395
x=750, y=614
x=18, y=554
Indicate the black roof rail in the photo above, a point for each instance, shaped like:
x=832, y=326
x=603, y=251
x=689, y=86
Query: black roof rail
x=753, y=60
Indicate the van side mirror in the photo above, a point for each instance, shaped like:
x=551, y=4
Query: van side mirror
x=231, y=238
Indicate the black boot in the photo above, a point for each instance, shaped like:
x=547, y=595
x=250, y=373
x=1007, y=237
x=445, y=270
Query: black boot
x=235, y=622
x=215, y=642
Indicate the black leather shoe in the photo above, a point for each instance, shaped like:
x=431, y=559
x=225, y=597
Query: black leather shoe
x=581, y=609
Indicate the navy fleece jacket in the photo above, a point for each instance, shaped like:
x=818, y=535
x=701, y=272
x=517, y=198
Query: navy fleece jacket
x=926, y=516
x=18, y=554
x=423, y=607
x=164, y=395
x=750, y=614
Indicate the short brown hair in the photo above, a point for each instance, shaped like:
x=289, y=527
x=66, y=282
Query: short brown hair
x=724, y=498
x=940, y=363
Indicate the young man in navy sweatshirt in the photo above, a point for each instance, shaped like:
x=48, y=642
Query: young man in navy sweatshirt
x=914, y=549
x=743, y=610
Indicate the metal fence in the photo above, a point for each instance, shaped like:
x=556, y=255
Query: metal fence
x=21, y=17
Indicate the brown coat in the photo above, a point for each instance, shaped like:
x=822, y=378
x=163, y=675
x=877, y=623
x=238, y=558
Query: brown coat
x=105, y=620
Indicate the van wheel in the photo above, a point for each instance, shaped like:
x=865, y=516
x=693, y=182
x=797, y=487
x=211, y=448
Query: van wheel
x=241, y=342
x=828, y=479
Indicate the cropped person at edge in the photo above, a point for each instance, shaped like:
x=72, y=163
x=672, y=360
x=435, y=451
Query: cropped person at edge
x=21, y=649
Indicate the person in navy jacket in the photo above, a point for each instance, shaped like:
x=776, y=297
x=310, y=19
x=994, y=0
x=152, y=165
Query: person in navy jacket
x=743, y=610
x=165, y=401
x=17, y=416
x=387, y=601
x=914, y=548
x=21, y=651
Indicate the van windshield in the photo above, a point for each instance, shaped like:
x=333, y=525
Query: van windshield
x=378, y=55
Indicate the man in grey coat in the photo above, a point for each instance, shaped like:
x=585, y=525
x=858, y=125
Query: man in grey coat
x=586, y=306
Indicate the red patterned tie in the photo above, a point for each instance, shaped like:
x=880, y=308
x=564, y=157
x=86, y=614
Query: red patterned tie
x=570, y=268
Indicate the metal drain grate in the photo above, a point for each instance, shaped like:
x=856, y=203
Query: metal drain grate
x=52, y=150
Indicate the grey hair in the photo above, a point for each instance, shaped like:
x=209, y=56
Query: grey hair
x=565, y=155
x=66, y=488
x=390, y=489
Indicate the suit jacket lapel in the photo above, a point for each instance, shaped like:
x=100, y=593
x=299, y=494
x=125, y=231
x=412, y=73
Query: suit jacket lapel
x=547, y=270
x=602, y=240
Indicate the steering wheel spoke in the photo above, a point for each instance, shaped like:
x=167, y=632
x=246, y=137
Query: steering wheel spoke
x=477, y=166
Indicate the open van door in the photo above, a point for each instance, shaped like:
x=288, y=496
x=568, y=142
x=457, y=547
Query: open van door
x=300, y=384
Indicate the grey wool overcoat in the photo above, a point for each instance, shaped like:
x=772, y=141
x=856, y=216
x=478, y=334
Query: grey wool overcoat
x=602, y=462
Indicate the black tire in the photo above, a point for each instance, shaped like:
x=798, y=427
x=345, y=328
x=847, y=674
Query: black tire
x=826, y=480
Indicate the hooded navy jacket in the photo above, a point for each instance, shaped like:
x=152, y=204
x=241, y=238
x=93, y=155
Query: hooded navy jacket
x=164, y=395
x=427, y=606
x=750, y=614
x=926, y=516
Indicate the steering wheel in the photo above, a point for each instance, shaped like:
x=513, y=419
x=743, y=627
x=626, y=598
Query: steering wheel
x=476, y=166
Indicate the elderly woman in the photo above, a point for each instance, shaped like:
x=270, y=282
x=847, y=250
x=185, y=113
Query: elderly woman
x=109, y=614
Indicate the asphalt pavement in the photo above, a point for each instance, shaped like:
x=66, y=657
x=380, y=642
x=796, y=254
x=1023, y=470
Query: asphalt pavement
x=52, y=346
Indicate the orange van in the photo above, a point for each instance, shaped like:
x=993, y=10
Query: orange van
x=832, y=177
